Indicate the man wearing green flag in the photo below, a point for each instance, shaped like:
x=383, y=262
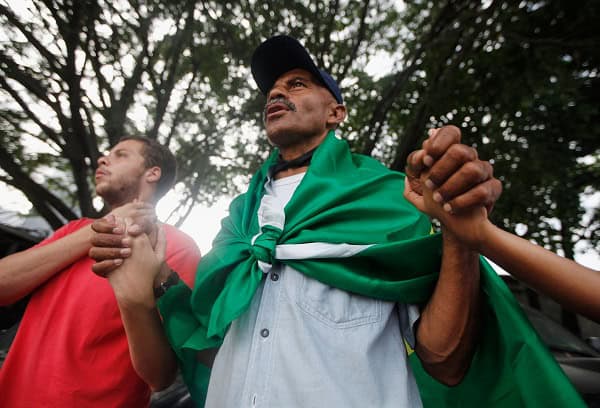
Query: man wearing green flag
x=323, y=279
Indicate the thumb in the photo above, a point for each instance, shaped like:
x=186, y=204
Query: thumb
x=161, y=244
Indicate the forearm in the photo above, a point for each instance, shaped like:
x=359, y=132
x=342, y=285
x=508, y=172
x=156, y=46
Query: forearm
x=449, y=324
x=151, y=354
x=571, y=284
x=22, y=272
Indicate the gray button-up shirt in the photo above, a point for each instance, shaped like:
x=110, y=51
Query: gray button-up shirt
x=306, y=344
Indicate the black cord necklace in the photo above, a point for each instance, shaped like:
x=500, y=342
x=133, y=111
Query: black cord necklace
x=281, y=165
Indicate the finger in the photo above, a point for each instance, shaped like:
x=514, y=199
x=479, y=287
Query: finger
x=103, y=268
x=412, y=197
x=104, y=225
x=447, y=165
x=484, y=194
x=109, y=240
x=121, y=227
x=437, y=144
x=414, y=163
x=102, y=254
x=146, y=221
x=161, y=244
x=134, y=230
x=432, y=132
x=146, y=212
x=152, y=235
x=467, y=177
x=132, y=208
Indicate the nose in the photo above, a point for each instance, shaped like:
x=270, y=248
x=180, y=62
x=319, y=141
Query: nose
x=276, y=91
x=103, y=160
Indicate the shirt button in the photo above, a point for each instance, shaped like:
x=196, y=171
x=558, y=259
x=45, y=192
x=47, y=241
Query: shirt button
x=264, y=332
x=274, y=277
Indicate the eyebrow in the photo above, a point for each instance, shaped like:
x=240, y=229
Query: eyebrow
x=299, y=77
x=121, y=150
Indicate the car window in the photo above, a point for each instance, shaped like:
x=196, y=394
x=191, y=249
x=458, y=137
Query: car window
x=557, y=337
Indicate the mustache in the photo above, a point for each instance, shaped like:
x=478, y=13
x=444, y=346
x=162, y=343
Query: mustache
x=280, y=99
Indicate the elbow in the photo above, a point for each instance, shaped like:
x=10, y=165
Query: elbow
x=449, y=370
x=157, y=378
x=7, y=298
x=161, y=382
x=159, y=386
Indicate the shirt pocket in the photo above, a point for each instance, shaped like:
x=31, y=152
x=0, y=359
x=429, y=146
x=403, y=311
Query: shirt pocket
x=335, y=307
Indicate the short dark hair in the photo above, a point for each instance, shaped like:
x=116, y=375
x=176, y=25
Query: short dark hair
x=156, y=154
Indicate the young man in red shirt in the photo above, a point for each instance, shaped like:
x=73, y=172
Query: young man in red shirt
x=77, y=345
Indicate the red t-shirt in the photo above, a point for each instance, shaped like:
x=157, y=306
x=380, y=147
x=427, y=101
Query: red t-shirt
x=71, y=349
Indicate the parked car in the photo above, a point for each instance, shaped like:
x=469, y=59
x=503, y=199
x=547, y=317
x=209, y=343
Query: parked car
x=176, y=396
x=578, y=359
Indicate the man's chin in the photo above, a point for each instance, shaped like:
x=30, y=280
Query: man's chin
x=281, y=136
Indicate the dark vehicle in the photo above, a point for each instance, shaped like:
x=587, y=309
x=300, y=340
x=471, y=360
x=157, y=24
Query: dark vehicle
x=579, y=360
x=176, y=396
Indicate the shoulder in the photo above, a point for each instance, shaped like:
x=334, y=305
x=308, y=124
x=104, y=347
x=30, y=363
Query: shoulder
x=182, y=254
x=178, y=237
x=67, y=229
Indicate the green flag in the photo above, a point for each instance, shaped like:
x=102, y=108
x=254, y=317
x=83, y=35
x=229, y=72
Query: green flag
x=348, y=225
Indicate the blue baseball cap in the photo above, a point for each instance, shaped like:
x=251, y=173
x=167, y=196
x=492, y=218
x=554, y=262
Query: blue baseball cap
x=282, y=53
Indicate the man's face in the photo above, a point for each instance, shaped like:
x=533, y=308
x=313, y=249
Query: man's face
x=297, y=109
x=120, y=173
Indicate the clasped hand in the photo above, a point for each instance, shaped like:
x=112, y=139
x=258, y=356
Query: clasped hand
x=448, y=181
x=129, y=249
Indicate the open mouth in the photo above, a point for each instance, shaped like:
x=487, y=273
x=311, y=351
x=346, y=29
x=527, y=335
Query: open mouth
x=275, y=110
x=277, y=107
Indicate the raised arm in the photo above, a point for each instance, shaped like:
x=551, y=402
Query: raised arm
x=449, y=323
x=133, y=283
x=448, y=327
x=569, y=283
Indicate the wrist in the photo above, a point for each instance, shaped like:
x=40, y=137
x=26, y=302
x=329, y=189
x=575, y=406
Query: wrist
x=140, y=299
x=457, y=244
x=132, y=294
x=486, y=235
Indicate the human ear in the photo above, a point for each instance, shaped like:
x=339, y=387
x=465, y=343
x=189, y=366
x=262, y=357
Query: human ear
x=337, y=114
x=153, y=174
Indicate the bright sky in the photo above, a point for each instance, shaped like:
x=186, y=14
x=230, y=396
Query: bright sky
x=202, y=224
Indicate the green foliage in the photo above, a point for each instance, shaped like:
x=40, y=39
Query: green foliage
x=519, y=78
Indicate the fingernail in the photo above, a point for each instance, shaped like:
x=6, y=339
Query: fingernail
x=430, y=184
x=125, y=242
x=428, y=160
x=447, y=208
x=117, y=230
x=437, y=197
x=430, y=132
x=118, y=261
x=125, y=251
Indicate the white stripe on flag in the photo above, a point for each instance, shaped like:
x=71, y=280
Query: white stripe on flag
x=317, y=250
